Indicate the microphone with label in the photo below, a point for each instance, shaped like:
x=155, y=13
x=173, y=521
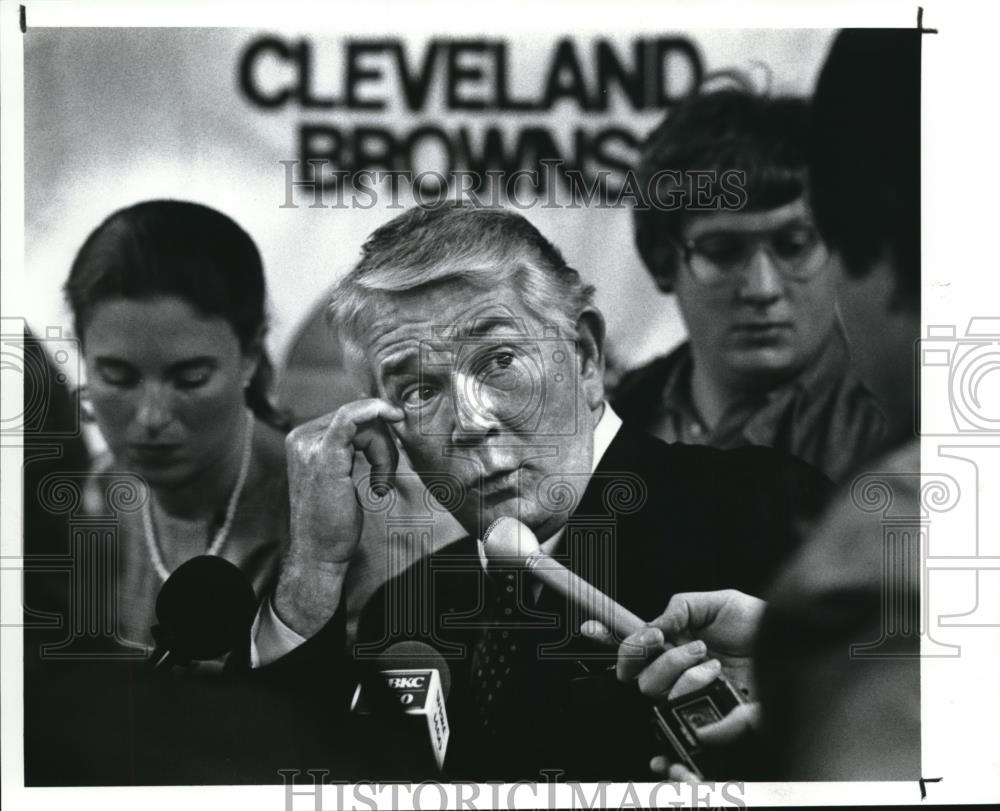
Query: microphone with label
x=509, y=543
x=406, y=693
x=204, y=610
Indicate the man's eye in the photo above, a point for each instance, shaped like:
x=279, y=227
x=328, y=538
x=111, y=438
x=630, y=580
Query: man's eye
x=500, y=369
x=794, y=242
x=502, y=359
x=414, y=396
x=721, y=249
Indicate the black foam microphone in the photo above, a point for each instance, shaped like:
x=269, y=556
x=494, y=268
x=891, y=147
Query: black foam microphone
x=203, y=611
x=408, y=689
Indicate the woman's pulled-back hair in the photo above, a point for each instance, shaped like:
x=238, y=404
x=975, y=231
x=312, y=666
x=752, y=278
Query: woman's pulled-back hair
x=182, y=249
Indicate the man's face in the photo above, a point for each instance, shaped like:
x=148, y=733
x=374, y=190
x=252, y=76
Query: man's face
x=759, y=324
x=496, y=408
x=883, y=339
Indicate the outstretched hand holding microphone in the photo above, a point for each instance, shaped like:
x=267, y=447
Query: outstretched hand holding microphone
x=700, y=637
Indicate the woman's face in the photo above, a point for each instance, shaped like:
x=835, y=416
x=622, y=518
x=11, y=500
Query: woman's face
x=167, y=387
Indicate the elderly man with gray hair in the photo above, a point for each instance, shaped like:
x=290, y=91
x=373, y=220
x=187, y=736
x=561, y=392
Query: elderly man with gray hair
x=481, y=352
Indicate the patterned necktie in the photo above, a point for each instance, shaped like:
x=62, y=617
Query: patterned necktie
x=496, y=653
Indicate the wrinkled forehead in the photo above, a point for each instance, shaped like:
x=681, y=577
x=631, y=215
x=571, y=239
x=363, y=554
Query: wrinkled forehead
x=401, y=325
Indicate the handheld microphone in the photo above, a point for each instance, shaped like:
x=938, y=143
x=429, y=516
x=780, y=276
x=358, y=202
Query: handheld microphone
x=409, y=688
x=203, y=611
x=509, y=542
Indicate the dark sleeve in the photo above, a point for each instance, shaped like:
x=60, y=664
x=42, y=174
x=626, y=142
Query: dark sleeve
x=837, y=654
x=299, y=706
x=638, y=390
x=325, y=650
x=326, y=659
x=771, y=499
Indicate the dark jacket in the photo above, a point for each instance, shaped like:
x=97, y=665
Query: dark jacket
x=838, y=652
x=655, y=519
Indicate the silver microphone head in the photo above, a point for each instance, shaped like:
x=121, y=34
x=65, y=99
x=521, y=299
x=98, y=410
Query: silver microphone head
x=510, y=540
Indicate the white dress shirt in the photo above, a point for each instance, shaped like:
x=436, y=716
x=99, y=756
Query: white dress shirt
x=270, y=638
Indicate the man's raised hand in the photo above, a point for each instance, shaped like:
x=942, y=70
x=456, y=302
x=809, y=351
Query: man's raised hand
x=326, y=516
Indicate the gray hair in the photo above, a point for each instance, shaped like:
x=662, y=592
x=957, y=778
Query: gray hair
x=479, y=246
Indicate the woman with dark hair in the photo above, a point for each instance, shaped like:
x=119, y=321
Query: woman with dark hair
x=168, y=301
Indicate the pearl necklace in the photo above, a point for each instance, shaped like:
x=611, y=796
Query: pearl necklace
x=223, y=533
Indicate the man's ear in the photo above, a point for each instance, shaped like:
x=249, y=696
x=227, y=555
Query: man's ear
x=590, y=330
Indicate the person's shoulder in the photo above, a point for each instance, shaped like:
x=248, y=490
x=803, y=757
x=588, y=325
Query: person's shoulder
x=646, y=382
x=887, y=482
x=856, y=406
x=709, y=461
x=749, y=480
x=844, y=552
x=269, y=474
x=269, y=447
x=851, y=408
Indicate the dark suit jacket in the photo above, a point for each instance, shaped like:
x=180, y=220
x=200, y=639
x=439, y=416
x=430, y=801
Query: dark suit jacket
x=655, y=519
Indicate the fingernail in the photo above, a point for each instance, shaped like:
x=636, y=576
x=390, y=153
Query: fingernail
x=651, y=636
x=590, y=628
x=714, y=665
x=696, y=648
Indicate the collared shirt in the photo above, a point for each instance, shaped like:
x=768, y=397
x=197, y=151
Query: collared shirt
x=825, y=416
x=270, y=638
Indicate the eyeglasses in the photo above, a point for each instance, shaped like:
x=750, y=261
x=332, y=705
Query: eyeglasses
x=718, y=258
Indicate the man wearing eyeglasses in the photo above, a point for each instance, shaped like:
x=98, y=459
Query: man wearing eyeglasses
x=766, y=362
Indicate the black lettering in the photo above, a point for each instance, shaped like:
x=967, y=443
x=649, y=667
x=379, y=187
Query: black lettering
x=610, y=72
x=608, y=138
x=320, y=142
x=492, y=155
x=411, y=146
x=565, y=79
x=535, y=145
x=256, y=50
x=670, y=56
x=504, y=100
x=416, y=88
x=357, y=73
x=374, y=147
x=460, y=72
x=306, y=97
